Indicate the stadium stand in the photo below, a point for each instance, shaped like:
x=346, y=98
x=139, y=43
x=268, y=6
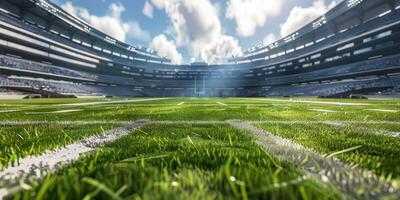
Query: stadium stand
x=353, y=48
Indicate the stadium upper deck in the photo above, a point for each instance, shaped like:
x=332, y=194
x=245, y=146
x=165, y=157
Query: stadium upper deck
x=356, y=44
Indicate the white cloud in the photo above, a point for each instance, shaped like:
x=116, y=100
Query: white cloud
x=195, y=25
x=250, y=14
x=69, y=8
x=220, y=50
x=111, y=23
x=166, y=48
x=268, y=39
x=137, y=32
x=300, y=16
x=148, y=9
x=160, y=4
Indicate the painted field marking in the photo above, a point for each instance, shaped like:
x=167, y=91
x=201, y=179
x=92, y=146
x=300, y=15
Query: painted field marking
x=8, y=111
x=78, y=122
x=187, y=122
x=319, y=102
x=88, y=122
x=282, y=147
x=323, y=110
x=55, y=112
x=3, y=193
x=322, y=122
x=349, y=179
x=221, y=104
x=111, y=102
x=376, y=131
x=181, y=103
x=39, y=166
x=384, y=110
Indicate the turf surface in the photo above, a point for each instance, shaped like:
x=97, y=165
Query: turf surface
x=18, y=141
x=192, y=161
x=200, y=109
x=184, y=162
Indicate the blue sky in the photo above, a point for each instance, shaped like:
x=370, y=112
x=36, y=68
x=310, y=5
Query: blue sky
x=187, y=30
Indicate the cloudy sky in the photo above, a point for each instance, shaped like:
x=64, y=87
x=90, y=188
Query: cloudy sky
x=194, y=30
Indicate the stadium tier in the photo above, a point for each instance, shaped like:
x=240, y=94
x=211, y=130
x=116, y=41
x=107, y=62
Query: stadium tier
x=353, y=49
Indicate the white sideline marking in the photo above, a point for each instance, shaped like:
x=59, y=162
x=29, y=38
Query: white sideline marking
x=8, y=111
x=322, y=110
x=187, y=122
x=55, y=112
x=3, y=193
x=221, y=104
x=110, y=102
x=66, y=111
x=88, y=122
x=393, y=134
x=39, y=166
x=181, y=103
x=322, y=122
x=383, y=110
x=48, y=159
x=372, y=130
x=320, y=102
x=29, y=122
x=192, y=104
x=349, y=179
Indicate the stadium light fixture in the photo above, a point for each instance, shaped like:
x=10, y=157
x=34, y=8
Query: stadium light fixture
x=353, y=3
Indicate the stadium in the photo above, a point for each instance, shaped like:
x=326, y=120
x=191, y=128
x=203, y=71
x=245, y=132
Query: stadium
x=312, y=115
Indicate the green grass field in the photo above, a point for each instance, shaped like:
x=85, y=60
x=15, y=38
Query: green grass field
x=189, y=151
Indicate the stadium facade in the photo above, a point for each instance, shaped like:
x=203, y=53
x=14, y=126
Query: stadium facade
x=353, y=49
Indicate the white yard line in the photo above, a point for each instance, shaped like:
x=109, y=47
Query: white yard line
x=39, y=166
x=350, y=180
x=88, y=122
x=347, y=178
x=199, y=104
x=80, y=122
x=54, y=112
x=67, y=111
x=150, y=105
x=321, y=122
x=221, y=104
x=111, y=102
x=384, y=110
x=392, y=134
x=135, y=104
x=371, y=130
x=319, y=102
x=323, y=110
x=181, y=103
x=188, y=122
x=8, y=111
x=380, y=132
x=3, y=193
